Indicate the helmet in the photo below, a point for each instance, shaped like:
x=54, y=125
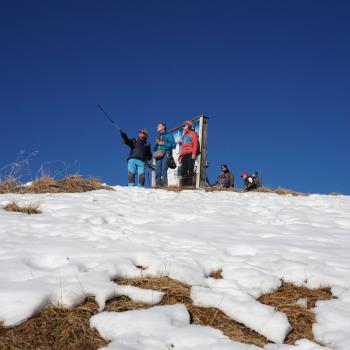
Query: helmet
x=244, y=174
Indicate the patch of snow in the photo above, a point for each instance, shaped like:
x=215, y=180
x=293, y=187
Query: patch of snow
x=243, y=308
x=160, y=327
x=302, y=344
x=333, y=323
x=302, y=302
x=83, y=241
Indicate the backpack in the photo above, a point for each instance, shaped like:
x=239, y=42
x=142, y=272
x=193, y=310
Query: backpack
x=258, y=179
x=171, y=162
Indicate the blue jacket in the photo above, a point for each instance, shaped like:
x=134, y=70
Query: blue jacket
x=168, y=145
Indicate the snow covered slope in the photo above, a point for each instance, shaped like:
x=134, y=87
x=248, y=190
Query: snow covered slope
x=82, y=241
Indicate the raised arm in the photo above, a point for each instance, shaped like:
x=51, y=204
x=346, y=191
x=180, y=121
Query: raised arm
x=125, y=139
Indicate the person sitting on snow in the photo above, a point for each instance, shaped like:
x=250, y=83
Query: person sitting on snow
x=250, y=182
x=222, y=181
x=228, y=175
x=140, y=153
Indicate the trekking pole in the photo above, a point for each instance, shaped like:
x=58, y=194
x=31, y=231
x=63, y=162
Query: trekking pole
x=109, y=118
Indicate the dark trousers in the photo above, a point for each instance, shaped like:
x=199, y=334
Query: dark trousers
x=162, y=170
x=187, y=170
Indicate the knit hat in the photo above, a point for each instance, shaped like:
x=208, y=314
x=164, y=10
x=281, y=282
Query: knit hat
x=144, y=130
x=188, y=123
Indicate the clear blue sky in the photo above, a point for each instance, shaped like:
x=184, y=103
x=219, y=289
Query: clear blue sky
x=273, y=76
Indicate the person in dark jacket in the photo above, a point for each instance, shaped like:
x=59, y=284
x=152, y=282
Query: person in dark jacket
x=140, y=153
x=228, y=175
x=188, y=154
x=250, y=182
x=164, y=147
x=222, y=181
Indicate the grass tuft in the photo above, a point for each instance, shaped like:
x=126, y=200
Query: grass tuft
x=31, y=208
x=70, y=184
x=216, y=274
x=8, y=186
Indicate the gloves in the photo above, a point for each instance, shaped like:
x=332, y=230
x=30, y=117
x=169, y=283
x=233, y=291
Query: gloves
x=123, y=134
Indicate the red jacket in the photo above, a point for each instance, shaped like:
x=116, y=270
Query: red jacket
x=189, y=143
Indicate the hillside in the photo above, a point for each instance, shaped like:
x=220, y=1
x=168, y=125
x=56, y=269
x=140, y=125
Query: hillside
x=196, y=270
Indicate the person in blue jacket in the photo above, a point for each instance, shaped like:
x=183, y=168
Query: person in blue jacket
x=163, y=149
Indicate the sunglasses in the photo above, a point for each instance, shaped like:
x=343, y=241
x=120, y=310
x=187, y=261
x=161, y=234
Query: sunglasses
x=143, y=132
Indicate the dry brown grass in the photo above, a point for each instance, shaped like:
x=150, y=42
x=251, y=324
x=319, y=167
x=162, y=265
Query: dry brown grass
x=70, y=184
x=55, y=328
x=8, y=186
x=59, y=328
x=281, y=191
x=179, y=293
x=301, y=318
x=31, y=208
x=221, y=189
x=216, y=274
x=175, y=188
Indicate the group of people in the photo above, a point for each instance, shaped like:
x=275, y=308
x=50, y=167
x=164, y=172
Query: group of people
x=140, y=155
x=226, y=179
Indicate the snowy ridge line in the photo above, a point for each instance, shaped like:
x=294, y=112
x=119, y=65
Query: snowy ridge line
x=257, y=240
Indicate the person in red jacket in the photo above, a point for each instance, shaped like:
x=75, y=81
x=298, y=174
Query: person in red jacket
x=188, y=154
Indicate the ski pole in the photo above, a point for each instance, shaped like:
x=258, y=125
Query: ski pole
x=109, y=118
